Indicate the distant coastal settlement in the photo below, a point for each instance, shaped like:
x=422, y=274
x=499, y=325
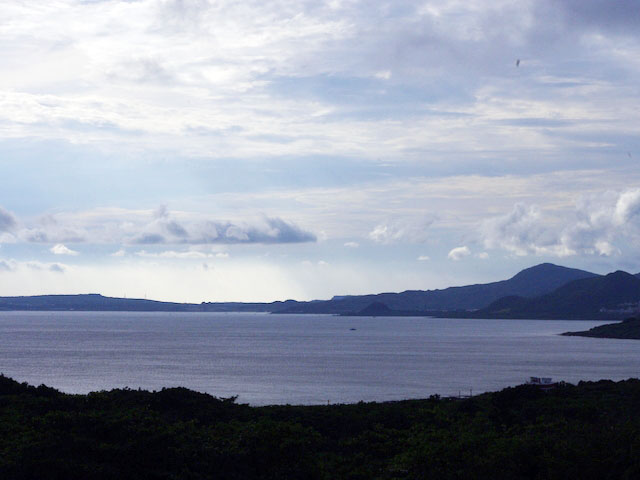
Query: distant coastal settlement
x=544, y=291
x=587, y=431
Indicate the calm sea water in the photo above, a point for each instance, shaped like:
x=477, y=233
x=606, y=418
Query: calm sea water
x=300, y=359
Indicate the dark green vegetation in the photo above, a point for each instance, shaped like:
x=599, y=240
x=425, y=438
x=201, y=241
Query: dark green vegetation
x=629, y=329
x=608, y=297
x=589, y=431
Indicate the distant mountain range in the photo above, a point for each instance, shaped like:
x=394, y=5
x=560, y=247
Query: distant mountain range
x=543, y=291
x=530, y=282
x=616, y=295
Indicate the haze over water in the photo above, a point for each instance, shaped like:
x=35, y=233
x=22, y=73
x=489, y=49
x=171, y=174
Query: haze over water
x=300, y=359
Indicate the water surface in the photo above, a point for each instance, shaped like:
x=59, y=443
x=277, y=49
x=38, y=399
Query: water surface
x=301, y=359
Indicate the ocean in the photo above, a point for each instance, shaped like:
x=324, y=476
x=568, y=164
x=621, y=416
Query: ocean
x=301, y=359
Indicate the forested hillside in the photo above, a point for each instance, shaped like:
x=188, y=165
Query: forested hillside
x=589, y=431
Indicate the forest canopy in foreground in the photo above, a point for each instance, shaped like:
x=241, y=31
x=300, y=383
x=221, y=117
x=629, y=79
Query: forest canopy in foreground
x=588, y=431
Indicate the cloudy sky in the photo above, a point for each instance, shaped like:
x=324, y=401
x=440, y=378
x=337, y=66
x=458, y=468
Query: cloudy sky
x=211, y=150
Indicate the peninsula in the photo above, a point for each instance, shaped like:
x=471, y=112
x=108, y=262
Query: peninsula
x=627, y=329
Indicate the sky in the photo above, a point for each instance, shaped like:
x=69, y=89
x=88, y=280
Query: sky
x=201, y=150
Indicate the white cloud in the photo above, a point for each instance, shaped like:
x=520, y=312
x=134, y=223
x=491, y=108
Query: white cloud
x=482, y=255
x=627, y=208
x=423, y=258
x=409, y=230
x=60, y=249
x=120, y=253
x=459, y=253
x=351, y=244
x=597, y=222
x=520, y=231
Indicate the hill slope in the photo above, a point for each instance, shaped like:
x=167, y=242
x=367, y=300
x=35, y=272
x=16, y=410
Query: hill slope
x=95, y=302
x=615, y=295
x=530, y=282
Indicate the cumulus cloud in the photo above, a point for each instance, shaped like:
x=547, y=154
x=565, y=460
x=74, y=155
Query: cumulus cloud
x=520, y=232
x=402, y=230
x=351, y=244
x=424, y=258
x=60, y=249
x=627, y=208
x=597, y=223
x=119, y=253
x=459, y=253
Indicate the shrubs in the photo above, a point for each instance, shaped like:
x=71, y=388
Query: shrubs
x=587, y=431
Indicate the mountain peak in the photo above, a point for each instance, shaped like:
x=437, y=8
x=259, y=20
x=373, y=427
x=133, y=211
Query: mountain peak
x=543, y=268
x=547, y=271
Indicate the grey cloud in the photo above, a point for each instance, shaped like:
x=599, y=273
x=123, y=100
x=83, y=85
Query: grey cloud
x=174, y=228
x=271, y=231
x=162, y=228
x=161, y=212
x=35, y=236
x=283, y=232
x=52, y=234
x=56, y=267
x=268, y=231
x=149, y=239
x=7, y=221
